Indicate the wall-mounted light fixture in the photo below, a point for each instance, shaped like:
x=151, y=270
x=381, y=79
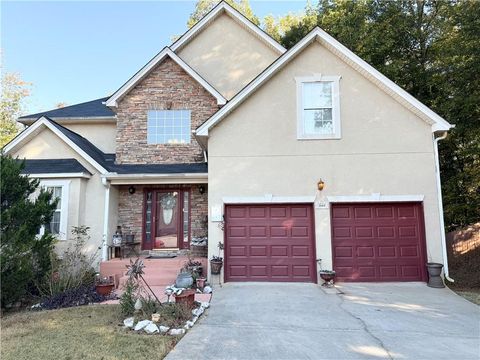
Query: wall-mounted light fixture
x=131, y=190
x=201, y=189
x=320, y=184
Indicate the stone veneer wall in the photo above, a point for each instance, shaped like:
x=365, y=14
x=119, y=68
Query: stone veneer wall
x=167, y=86
x=130, y=208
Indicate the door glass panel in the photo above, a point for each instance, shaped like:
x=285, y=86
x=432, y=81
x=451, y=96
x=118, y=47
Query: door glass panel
x=186, y=215
x=166, y=234
x=148, y=217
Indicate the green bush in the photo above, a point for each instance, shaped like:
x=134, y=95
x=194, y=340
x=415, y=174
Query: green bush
x=24, y=256
x=128, y=298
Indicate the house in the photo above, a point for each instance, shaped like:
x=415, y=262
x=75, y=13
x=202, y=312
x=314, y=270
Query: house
x=311, y=152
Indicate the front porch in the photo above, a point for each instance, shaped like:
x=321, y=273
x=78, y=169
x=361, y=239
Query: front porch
x=156, y=217
x=159, y=273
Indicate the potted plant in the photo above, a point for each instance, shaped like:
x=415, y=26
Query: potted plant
x=184, y=279
x=195, y=267
x=328, y=276
x=216, y=262
x=200, y=282
x=104, y=285
x=434, y=278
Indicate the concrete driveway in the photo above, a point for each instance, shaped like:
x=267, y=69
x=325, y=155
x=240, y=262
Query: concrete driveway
x=302, y=321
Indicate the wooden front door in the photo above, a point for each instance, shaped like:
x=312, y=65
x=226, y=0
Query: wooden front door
x=166, y=219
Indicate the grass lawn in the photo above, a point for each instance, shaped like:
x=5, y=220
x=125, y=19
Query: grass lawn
x=472, y=295
x=84, y=332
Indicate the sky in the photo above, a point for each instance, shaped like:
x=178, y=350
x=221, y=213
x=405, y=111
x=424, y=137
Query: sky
x=75, y=51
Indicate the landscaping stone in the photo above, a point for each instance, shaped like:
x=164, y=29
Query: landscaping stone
x=129, y=322
x=195, y=318
x=155, y=317
x=142, y=324
x=198, y=311
x=163, y=329
x=189, y=324
x=176, y=332
x=207, y=290
x=205, y=305
x=151, y=328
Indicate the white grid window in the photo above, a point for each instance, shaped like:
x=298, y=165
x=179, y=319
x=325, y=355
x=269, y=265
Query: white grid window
x=318, y=104
x=58, y=224
x=168, y=127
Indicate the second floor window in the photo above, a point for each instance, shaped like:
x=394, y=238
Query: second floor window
x=168, y=127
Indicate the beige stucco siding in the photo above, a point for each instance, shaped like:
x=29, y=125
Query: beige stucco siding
x=102, y=135
x=384, y=149
x=227, y=55
x=86, y=195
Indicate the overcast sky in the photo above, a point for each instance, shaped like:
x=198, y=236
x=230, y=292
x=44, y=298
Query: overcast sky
x=75, y=51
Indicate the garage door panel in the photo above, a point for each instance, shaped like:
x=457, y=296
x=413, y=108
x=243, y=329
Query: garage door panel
x=278, y=242
x=387, y=246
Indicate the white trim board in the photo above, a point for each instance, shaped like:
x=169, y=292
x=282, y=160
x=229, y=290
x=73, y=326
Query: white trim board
x=219, y=9
x=166, y=52
x=268, y=199
x=131, y=179
x=374, y=198
x=60, y=175
x=65, y=185
x=29, y=132
x=317, y=34
x=74, y=120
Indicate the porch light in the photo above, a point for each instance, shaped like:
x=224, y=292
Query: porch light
x=320, y=184
x=131, y=190
x=201, y=189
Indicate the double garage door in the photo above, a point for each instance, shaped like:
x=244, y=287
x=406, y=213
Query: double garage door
x=370, y=242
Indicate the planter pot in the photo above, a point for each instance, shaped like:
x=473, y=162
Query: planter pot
x=184, y=280
x=328, y=277
x=104, y=289
x=434, y=278
x=215, y=267
x=201, y=283
x=187, y=297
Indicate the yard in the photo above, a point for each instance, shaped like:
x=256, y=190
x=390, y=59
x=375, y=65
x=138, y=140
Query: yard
x=84, y=332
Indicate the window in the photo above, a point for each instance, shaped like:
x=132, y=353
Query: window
x=54, y=226
x=168, y=127
x=58, y=224
x=318, y=107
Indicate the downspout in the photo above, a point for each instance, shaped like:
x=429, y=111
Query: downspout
x=106, y=211
x=440, y=206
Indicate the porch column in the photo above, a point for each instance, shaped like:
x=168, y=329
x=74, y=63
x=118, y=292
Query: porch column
x=106, y=214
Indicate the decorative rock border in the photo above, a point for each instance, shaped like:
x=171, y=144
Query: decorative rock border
x=150, y=327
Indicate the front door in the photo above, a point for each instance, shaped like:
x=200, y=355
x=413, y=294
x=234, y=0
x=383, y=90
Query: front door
x=166, y=219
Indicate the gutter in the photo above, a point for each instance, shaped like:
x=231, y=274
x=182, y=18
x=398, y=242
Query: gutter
x=440, y=206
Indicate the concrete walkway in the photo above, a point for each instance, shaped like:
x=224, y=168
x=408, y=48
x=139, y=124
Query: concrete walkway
x=302, y=321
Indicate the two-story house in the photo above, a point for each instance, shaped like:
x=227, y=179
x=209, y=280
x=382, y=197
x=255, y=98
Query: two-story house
x=284, y=156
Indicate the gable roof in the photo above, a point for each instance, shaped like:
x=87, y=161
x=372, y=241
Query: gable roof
x=224, y=8
x=79, y=144
x=90, y=109
x=317, y=34
x=143, y=72
x=103, y=162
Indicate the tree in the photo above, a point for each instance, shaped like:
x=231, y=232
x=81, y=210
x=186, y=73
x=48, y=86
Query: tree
x=202, y=7
x=24, y=256
x=430, y=48
x=14, y=91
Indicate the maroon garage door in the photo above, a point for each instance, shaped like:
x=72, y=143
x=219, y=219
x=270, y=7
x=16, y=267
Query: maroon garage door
x=269, y=243
x=378, y=242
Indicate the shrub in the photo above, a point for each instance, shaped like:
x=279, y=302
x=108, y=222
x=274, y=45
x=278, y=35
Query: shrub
x=24, y=256
x=128, y=298
x=81, y=295
x=74, y=269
